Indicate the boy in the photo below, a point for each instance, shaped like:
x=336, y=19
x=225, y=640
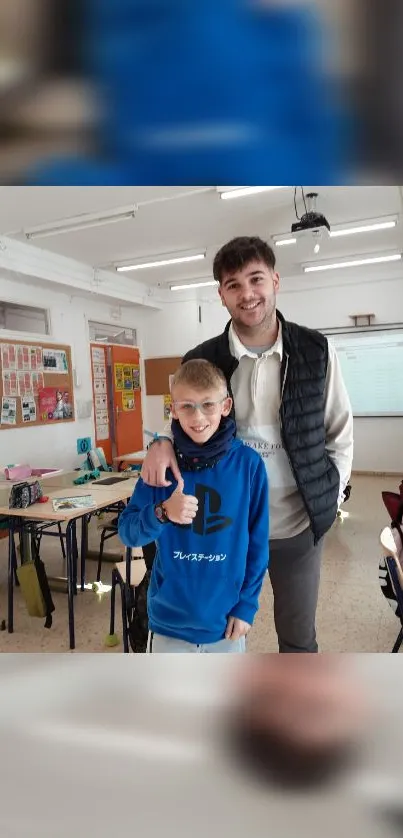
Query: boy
x=212, y=531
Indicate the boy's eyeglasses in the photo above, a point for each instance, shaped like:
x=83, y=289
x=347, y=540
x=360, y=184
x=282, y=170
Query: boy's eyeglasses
x=207, y=407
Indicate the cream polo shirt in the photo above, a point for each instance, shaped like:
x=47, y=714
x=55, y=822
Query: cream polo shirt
x=256, y=389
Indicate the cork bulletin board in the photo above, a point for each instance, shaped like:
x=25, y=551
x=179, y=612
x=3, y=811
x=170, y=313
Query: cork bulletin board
x=36, y=384
x=157, y=372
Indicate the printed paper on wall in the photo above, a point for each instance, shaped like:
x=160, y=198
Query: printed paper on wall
x=128, y=400
x=28, y=408
x=119, y=381
x=99, y=386
x=8, y=411
x=98, y=355
x=24, y=383
x=10, y=383
x=136, y=377
x=55, y=361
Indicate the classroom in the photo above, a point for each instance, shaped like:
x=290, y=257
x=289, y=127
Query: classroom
x=103, y=290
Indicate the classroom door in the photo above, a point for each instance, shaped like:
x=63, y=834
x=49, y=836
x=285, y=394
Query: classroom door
x=126, y=398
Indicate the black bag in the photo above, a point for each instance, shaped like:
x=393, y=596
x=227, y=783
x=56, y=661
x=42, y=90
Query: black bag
x=136, y=605
x=35, y=588
x=24, y=494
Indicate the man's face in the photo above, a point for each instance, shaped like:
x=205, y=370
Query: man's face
x=250, y=295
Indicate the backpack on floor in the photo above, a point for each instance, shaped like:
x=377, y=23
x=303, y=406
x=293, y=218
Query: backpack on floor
x=35, y=588
x=136, y=604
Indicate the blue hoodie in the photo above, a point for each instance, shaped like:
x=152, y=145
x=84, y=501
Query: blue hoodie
x=213, y=569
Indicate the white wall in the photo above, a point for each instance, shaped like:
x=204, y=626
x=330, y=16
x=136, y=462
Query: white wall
x=327, y=302
x=55, y=445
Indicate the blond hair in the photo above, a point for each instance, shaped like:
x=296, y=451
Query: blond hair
x=201, y=375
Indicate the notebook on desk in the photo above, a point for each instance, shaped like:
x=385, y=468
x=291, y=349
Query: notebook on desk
x=79, y=502
x=109, y=481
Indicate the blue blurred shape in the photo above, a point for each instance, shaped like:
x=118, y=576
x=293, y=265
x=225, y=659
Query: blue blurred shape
x=212, y=92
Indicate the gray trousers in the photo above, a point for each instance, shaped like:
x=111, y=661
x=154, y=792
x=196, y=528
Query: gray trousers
x=294, y=569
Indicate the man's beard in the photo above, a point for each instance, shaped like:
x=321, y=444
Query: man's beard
x=264, y=324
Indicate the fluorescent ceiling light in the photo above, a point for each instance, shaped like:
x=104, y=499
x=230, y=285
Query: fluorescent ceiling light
x=281, y=242
x=349, y=230
x=159, y=263
x=80, y=222
x=192, y=285
x=243, y=191
x=375, y=260
x=362, y=228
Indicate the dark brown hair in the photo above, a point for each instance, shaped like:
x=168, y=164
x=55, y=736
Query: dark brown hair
x=237, y=253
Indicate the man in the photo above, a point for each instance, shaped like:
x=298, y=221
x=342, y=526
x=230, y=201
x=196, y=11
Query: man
x=291, y=405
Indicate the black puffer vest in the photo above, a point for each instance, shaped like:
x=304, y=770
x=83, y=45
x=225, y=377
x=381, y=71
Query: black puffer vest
x=303, y=376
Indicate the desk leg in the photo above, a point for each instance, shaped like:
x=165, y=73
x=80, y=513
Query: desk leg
x=84, y=536
x=70, y=578
x=75, y=557
x=84, y=546
x=12, y=567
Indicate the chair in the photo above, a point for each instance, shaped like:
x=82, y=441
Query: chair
x=129, y=575
x=44, y=528
x=133, y=577
x=391, y=575
x=109, y=530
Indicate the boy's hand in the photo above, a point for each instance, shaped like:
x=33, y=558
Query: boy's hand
x=180, y=508
x=158, y=459
x=236, y=628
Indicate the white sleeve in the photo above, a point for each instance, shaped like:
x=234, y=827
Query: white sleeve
x=338, y=421
x=166, y=431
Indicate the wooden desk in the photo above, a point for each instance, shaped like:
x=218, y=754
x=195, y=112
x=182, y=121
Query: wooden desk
x=103, y=496
x=65, y=479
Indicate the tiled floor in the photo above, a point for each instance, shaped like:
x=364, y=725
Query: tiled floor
x=353, y=615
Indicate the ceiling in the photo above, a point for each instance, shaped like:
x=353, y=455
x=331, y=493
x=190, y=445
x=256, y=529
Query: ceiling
x=179, y=219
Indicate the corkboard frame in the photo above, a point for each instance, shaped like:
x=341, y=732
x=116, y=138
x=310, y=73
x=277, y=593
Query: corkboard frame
x=58, y=381
x=157, y=372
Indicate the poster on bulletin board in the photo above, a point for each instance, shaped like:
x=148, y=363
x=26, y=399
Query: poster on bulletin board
x=136, y=376
x=119, y=383
x=128, y=402
x=127, y=377
x=54, y=404
x=167, y=407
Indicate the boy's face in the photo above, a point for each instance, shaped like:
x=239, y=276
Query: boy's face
x=199, y=412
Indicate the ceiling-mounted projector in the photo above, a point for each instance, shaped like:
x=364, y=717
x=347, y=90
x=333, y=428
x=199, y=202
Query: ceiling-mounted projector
x=312, y=225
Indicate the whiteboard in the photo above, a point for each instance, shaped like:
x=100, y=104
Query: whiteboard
x=372, y=367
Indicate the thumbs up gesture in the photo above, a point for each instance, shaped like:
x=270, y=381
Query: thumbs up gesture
x=181, y=508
